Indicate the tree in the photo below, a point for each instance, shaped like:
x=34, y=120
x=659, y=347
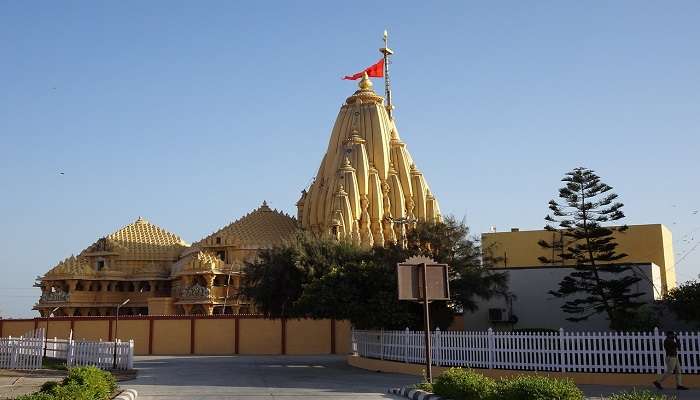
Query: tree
x=325, y=278
x=598, y=284
x=276, y=279
x=470, y=274
x=684, y=301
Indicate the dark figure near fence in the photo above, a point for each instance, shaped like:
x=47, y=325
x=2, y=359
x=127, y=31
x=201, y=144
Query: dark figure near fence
x=673, y=367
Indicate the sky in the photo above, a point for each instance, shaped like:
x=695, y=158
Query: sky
x=190, y=114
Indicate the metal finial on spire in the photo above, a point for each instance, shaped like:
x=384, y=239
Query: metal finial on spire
x=387, y=83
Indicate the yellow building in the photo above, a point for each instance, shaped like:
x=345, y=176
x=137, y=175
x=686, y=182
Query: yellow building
x=159, y=273
x=642, y=243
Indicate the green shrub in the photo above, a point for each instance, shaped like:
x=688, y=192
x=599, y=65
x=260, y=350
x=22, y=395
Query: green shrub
x=83, y=383
x=537, y=387
x=97, y=383
x=48, y=386
x=635, y=394
x=36, y=396
x=464, y=384
x=424, y=386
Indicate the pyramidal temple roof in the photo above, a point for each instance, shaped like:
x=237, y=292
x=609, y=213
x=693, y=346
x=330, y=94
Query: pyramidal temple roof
x=261, y=227
x=140, y=240
x=368, y=187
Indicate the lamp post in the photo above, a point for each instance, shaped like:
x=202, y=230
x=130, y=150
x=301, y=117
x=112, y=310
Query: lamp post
x=46, y=334
x=116, y=327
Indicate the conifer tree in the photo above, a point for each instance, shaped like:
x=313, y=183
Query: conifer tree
x=599, y=282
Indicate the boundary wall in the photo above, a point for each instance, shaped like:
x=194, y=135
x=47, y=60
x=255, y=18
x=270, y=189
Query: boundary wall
x=198, y=334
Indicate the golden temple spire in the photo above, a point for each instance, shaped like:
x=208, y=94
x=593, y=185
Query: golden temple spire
x=365, y=83
x=387, y=83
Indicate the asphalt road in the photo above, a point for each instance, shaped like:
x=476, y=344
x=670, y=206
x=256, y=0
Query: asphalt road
x=280, y=378
x=259, y=377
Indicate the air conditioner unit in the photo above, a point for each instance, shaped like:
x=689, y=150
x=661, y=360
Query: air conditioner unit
x=498, y=315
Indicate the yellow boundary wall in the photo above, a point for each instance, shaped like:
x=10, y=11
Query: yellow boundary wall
x=581, y=378
x=200, y=335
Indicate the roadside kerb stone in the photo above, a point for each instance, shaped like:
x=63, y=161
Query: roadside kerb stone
x=128, y=394
x=414, y=394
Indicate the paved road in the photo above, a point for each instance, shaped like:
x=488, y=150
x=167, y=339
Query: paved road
x=280, y=378
x=259, y=377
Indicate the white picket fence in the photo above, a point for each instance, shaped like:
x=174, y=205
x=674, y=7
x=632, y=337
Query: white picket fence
x=98, y=354
x=631, y=352
x=21, y=352
x=27, y=352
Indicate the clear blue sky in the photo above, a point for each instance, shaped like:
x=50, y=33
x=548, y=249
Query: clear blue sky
x=192, y=113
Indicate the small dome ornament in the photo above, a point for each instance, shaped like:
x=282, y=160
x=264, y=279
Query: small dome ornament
x=365, y=82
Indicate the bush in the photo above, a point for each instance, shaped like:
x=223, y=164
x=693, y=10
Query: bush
x=83, y=383
x=635, y=394
x=424, y=386
x=36, y=396
x=464, y=384
x=536, y=387
x=48, y=386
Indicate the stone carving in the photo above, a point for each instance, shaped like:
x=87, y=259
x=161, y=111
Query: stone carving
x=195, y=291
x=57, y=296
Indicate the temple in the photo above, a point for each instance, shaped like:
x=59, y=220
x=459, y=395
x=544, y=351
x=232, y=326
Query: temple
x=159, y=273
x=368, y=188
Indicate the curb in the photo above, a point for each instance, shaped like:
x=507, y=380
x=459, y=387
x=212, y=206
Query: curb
x=414, y=394
x=128, y=394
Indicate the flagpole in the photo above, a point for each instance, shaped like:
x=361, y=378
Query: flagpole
x=387, y=83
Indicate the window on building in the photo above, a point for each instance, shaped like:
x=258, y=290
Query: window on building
x=100, y=265
x=221, y=254
x=218, y=240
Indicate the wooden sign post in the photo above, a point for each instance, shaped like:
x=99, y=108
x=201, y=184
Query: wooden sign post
x=422, y=279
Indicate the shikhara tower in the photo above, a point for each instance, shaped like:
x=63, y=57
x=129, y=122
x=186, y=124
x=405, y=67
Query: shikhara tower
x=368, y=188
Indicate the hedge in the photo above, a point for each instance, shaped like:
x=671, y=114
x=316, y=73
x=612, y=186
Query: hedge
x=643, y=394
x=465, y=384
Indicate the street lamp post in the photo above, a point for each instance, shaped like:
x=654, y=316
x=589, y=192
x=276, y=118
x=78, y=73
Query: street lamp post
x=46, y=334
x=116, y=327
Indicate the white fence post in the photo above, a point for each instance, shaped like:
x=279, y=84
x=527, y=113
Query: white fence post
x=130, y=364
x=490, y=340
x=405, y=345
x=381, y=345
x=657, y=351
x=436, y=347
x=562, y=352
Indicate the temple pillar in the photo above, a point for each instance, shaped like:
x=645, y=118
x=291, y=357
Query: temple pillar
x=153, y=286
x=103, y=310
x=72, y=283
x=187, y=308
x=236, y=309
x=44, y=312
x=210, y=280
x=68, y=311
x=209, y=309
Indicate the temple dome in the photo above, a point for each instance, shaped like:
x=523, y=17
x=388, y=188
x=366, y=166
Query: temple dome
x=263, y=227
x=140, y=240
x=367, y=187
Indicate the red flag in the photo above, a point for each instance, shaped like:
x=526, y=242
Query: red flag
x=375, y=71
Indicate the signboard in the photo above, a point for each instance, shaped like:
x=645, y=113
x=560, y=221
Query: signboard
x=410, y=280
x=422, y=279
